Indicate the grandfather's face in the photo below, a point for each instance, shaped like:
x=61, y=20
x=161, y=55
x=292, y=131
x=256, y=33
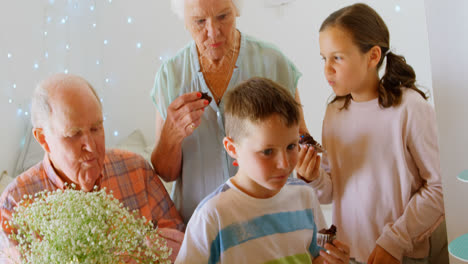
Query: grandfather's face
x=212, y=24
x=76, y=139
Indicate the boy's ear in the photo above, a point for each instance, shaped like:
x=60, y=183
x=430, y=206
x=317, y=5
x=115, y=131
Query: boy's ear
x=375, y=53
x=40, y=138
x=230, y=147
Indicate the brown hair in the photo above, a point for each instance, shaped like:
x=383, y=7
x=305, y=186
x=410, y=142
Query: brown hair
x=255, y=100
x=368, y=29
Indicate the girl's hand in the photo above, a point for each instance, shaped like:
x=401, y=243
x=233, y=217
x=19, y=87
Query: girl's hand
x=380, y=255
x=338, y=253
x=184, y=115
x=308, y=164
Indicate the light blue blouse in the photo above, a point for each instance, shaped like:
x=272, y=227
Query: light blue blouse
x=206, y=165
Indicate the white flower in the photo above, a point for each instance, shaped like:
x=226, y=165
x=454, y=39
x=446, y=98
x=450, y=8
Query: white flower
x=73, y=226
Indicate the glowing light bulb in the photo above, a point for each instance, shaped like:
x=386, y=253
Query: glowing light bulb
x=397, y=8
x=49, y=19
x=14, y=86
x=67, y=47
x=10, y=100
x=105, y=42
x=66, y=71
x=9, y=55
x=101, y=99
x=46, y=55
x=19, y=111
x=36, y=66
x=97, y=62
x=107, y=80
x=91, y=8
x=138, y=45
x=116, y=133
x=94, y=25
x=26, y=113
x=45, y=33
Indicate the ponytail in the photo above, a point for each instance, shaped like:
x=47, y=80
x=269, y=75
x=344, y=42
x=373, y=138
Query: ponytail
x=398, y=75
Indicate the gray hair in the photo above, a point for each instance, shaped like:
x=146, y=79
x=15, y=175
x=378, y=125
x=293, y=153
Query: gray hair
x=40, y=103
x=178, y=6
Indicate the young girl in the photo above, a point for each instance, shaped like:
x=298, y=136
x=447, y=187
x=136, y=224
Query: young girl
x=381, y=165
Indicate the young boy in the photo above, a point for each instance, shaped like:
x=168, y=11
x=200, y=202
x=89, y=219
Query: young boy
x=259, y=215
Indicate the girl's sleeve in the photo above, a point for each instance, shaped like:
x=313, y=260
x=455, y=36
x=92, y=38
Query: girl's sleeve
x=323, y=184
x=425, y=210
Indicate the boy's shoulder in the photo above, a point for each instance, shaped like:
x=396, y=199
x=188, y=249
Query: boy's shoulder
x=216, y=198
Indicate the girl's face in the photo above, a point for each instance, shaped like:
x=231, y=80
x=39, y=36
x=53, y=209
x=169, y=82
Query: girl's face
x=347, y=69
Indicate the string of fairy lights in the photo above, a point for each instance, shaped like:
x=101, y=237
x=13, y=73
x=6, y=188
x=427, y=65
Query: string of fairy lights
x=58, y=21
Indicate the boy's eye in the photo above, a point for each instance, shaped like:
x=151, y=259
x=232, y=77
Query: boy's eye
x=291, y=146
x=267, y=152
x=200, y=21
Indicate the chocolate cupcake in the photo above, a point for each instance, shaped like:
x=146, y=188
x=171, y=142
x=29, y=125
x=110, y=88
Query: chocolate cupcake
x=326, y=235
x=206, y=97
x=307, y=139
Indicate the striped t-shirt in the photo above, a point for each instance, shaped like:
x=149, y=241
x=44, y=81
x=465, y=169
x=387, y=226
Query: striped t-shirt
x=230, y=226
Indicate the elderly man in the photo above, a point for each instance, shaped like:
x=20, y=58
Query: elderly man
x=68, y=123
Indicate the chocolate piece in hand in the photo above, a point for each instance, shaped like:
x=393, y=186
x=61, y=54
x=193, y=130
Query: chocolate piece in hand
x=330, y=231
x=326, y=236
x=206, y=97
x=307, y=139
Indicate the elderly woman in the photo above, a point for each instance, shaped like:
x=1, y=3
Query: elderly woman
x=190, y=129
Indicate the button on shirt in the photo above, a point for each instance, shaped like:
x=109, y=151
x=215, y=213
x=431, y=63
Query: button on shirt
x=206, y=165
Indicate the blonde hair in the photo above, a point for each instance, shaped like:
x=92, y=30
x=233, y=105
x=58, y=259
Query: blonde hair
x=178, y=7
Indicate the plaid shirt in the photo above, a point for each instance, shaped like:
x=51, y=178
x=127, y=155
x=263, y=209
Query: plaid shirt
x=128, y=175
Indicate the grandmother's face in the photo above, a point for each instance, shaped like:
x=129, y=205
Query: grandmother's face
x=212, y=24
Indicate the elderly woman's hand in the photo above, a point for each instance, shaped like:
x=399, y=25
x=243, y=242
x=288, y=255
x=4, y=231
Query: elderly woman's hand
x=308, y=164
x=184, y=115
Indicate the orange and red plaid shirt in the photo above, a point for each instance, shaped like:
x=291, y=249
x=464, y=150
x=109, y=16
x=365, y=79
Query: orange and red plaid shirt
x=131, y=179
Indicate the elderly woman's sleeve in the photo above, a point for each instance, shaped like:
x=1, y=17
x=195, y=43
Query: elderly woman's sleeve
x=165, y=89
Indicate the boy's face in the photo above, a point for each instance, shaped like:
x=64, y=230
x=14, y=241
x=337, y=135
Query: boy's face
x=266, y=155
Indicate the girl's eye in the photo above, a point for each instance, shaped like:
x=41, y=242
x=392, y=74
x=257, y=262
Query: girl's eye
x=267, y=152
x=291, y=146
x=337, y=58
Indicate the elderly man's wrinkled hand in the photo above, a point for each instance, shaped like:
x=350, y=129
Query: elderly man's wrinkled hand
x=184, y=115
x=174, y=240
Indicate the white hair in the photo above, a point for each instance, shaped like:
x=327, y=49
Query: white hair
x=40, y=103
x=178, y=6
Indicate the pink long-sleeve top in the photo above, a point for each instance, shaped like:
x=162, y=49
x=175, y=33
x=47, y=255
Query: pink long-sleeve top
x=382, y=173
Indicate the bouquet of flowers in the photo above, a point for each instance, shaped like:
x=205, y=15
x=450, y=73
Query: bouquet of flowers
x=71, y=226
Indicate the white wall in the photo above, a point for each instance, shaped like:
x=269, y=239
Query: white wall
x=448, y=28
